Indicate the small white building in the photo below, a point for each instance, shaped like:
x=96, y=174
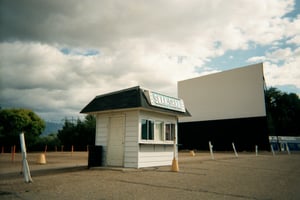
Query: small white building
x=136, y=127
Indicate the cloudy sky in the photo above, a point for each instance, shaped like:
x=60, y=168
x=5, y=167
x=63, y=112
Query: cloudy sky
x=55, y=56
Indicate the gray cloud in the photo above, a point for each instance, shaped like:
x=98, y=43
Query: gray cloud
x=102, y=23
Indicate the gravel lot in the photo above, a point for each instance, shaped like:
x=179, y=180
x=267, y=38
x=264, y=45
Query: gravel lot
x=65, y=176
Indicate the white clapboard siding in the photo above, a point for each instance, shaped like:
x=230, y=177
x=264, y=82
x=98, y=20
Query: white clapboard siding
x=102, y=133
x=131, y=140
x=101, y=130
x=155, y=155
x=150, y=159
x=157, y=116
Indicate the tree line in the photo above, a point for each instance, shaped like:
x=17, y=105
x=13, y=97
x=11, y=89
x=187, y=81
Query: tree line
x=283, y=112
x=79, y=134
x=283, y=116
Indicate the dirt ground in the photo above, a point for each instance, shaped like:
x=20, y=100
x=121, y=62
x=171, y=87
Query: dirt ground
x=66, y=176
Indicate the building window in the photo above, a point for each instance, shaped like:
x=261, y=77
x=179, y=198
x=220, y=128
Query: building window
x=158, y=132
x=170, y=132
x=147, y=129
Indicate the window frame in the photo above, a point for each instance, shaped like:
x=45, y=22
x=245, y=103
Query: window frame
x=172, y=132
x=149, y=130
x=155, y=137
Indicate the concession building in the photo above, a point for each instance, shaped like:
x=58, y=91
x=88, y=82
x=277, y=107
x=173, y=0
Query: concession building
x=225, y=107
x=136, y=127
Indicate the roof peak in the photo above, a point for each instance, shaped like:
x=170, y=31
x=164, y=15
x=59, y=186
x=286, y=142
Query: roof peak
x=119, y=91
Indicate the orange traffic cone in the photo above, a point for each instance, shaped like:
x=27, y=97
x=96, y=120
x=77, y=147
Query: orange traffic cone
x=192, y=153
x=175, y=167
x=41, y=159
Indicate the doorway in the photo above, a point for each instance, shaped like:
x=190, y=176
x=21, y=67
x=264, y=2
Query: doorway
x=115, y=145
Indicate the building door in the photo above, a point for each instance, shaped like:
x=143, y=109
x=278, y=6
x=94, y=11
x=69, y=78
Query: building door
x=115, y=146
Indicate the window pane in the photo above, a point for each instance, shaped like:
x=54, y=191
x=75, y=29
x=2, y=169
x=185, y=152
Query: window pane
x=172, y=131
x=151, y=130
x=168, y=132
x=158, y=131
x=147, y=129
x=144, y=129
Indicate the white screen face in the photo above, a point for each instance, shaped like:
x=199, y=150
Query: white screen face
x=236, y=93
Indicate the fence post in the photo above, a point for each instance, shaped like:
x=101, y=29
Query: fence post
x=72, y=150
x=273, y=152
x=211, y=150
x=233, y=146
x=13, y=152
x=287, y=148
x=256, y=150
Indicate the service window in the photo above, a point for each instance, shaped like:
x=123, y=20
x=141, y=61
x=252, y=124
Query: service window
x=147, y=129
x=158, y=132
x=169, y=132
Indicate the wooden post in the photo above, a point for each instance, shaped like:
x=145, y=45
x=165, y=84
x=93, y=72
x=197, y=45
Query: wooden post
x=46, y=146
x=72, y=150
x=2, y=149
x=13, y=152
x=62, y=148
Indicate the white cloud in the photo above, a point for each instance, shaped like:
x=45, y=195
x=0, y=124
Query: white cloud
x=107, y=23
x=280, y=55
x=294, y=40
x=288, y=74
x=256, y=59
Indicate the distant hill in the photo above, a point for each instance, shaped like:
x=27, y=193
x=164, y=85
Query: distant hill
x=51, y=127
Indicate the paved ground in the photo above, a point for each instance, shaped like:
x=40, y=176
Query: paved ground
x=65, y=176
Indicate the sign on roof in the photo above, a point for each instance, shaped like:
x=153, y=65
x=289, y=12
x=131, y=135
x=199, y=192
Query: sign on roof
x=163, y=101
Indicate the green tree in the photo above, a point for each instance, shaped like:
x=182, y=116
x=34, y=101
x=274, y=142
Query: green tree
x=80, y=134
x=283, y=112
x=15, y=121
x=50, y=140
x=90, y=129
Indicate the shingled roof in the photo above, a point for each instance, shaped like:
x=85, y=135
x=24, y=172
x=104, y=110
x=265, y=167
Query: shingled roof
x=124, y=99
